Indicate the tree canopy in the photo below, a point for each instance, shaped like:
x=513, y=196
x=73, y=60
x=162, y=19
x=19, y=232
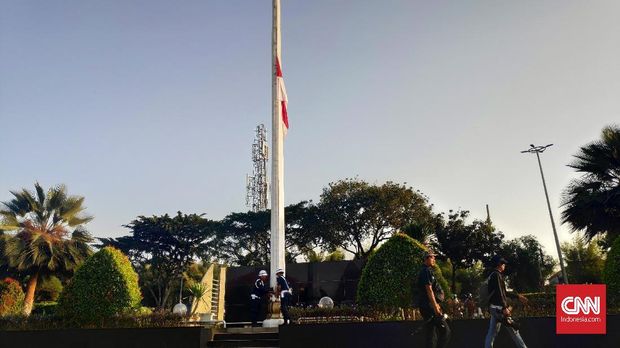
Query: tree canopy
x=465, y=243
x=162, y=247
x=357, y=216
x=592, y=202
x=528, y=264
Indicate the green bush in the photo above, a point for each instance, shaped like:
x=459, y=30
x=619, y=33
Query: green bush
x=11, y=297
x=389, y=279
x=611, y=273
x=49, y=289
x=103, y=287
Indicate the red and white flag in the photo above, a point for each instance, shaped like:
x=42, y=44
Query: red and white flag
x=282, y=97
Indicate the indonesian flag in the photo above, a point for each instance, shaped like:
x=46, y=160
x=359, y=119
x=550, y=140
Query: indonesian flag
x=282, y=96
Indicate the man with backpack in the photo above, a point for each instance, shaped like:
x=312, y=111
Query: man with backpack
x=498, y=306
x=431, y=294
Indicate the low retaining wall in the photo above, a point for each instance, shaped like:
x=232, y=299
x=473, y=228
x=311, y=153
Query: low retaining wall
x=537, y=333
x=186, y=337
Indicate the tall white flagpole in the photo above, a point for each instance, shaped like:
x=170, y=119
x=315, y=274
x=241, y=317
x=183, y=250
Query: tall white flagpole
x=277, y=159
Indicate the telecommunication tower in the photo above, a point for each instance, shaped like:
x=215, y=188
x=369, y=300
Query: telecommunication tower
x=257, y=187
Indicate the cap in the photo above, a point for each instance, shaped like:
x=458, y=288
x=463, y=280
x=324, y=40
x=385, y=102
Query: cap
x=262, y=273
x=279, y=270
x=429, y=254
x=497, y=260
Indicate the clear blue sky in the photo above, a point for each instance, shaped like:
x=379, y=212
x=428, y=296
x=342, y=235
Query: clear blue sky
x=148, y=107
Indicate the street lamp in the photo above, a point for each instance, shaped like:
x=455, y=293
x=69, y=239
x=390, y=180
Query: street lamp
x=538, y=150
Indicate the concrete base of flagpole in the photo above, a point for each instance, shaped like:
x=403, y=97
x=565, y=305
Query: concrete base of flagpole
x=274, y=316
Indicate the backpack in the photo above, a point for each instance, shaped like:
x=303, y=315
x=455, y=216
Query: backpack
x=484, y=297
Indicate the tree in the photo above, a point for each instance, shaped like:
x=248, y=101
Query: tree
x=162, y=247
x=313, y=256
x=528, y=265
x=464, y=243
x=357, y=216
x=592, y=202
x=244, y=238
x=584, y=261
x=47, y=235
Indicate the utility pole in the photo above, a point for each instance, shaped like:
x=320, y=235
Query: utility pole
x=538, y=150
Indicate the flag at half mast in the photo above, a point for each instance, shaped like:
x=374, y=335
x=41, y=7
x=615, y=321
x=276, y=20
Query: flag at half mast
x=282, y=97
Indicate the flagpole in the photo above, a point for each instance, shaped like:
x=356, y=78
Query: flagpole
x=277, y=161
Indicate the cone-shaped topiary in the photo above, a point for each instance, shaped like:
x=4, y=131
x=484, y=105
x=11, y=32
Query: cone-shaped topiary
x=611, y=273
x=390, y=276
x=11, y=297
x=104, y=286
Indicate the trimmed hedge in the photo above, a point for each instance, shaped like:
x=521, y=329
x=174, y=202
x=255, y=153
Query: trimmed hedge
x=611, y=273
x=131, y=320
x=105, y=286
x=11, y=297
x=389, y=279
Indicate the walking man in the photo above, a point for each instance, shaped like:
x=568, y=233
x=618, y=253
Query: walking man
x=431, y=294
x=499, y=309
x=259, y=290
x=286, y=294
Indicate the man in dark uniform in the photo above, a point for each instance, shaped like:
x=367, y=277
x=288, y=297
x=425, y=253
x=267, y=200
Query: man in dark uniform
x=286, y=294
x=259, y=290
x=431, y=294
x=498, y=305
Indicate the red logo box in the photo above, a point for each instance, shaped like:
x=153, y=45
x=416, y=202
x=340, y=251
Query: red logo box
x=581, y=309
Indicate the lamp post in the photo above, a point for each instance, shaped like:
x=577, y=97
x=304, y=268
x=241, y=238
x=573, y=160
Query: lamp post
x=538, y=150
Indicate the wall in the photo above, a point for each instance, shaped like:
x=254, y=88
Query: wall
x=186, y=337
x=310, y=282
x=537, y=333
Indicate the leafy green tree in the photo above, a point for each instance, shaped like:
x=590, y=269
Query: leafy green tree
x=592, y=202
x=584, y=261
x=161, y=248
x=104, y=286
x=357, y=216
x=44, y=235
x=466, y=243
x=528, y=265
x=244, y=238
x=313, y=256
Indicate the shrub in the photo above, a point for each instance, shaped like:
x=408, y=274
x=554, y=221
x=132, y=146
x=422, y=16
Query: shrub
x=103, y=287
x=11, y=297
x=339, y=314
x=50, y=322
x=390, y=276
x=49, y=289
x=45, y=308
x=611, y=273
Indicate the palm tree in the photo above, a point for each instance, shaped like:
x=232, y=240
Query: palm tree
x=592, y=202
x=43, y=235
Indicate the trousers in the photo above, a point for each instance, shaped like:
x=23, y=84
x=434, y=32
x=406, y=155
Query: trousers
x=495, y=325
x=437, y=332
